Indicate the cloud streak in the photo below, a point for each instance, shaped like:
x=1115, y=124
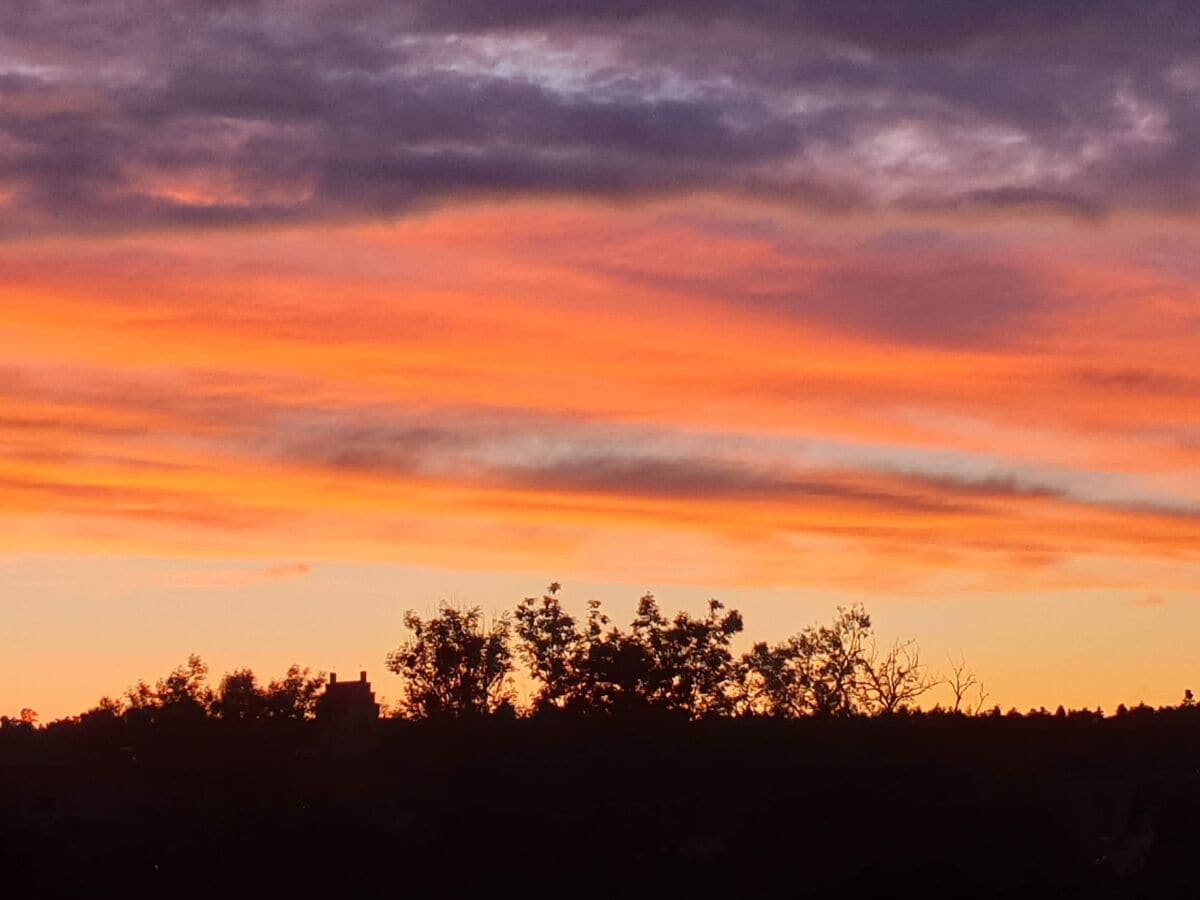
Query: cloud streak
x=281, y=471
x=240, y=577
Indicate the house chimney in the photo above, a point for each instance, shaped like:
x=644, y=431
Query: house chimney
x=333, y=677
x=362, y=676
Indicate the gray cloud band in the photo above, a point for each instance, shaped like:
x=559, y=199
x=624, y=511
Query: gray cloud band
x=127, y=115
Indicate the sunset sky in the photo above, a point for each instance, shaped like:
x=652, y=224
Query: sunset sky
x=313, y=312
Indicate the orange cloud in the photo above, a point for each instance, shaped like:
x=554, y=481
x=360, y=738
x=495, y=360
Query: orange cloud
x=223, y=577
x=756, y=387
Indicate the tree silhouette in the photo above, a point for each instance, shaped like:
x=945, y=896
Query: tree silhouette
x=894, y=679
x=26, y=720
x=239, y=697
x=838, y=661
x=694, y=669
x=454, y=665
x=552, y=647
x=962, y=681
x=295, y=695
x=104, y=717
x=773, y=683
x=821, y=671
x=683, y=664
x=181, y=694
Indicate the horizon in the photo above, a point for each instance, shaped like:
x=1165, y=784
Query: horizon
x=314, y=316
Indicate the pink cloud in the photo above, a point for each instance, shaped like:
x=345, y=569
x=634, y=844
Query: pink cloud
x=1150, y=600
x=242, y=577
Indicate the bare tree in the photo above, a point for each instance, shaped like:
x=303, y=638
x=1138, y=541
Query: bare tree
x=962, y=681
x=983, y=697
x=893, y=680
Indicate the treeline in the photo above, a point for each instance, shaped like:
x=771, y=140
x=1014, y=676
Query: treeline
x=603, y=759
x=459, y=664
x=184, y=696
x=456, y=664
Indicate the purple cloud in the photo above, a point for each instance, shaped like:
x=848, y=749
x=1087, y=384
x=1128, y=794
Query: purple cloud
x=118, y=115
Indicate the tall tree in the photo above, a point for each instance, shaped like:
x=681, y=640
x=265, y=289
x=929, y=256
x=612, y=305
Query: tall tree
x=552, y=647
x=962, y=681
x=682, y=664
x=694, y=670
x=820, y=671
x=454, y=664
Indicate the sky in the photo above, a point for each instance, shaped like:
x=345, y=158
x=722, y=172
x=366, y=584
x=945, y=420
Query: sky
x=312, y=313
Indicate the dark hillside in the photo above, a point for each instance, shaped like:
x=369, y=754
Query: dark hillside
x=991, y=806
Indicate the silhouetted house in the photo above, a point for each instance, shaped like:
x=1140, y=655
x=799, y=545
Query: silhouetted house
x=347, y=703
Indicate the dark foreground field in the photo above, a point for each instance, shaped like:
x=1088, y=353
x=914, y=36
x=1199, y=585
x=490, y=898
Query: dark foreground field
x=941, y=805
